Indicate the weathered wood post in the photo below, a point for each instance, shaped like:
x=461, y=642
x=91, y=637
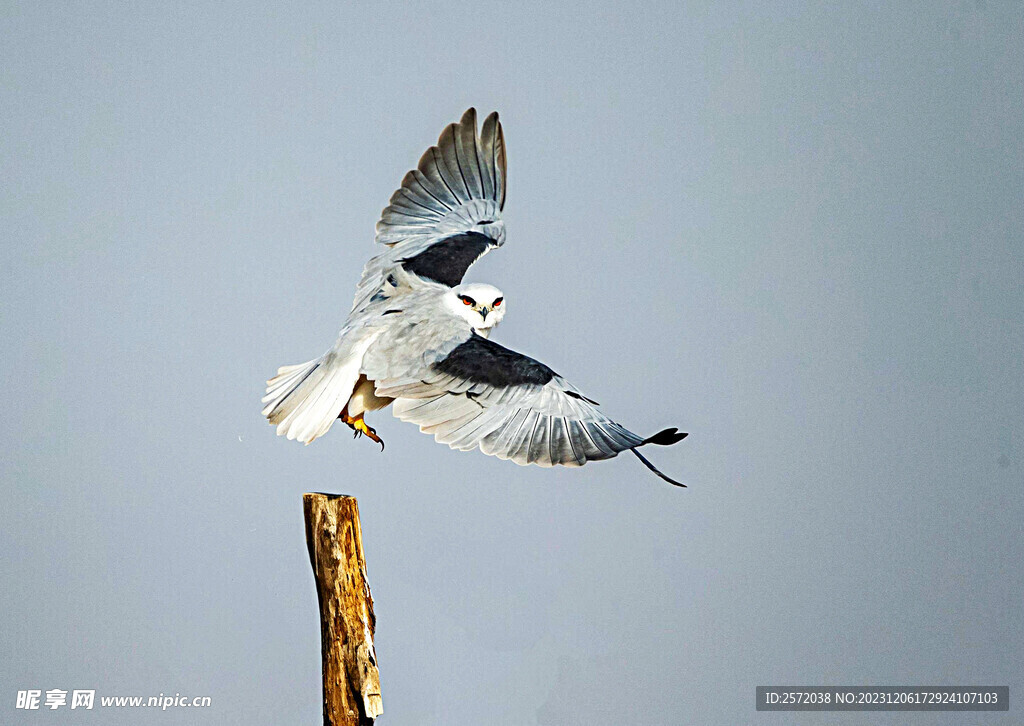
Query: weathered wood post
x=335, y=541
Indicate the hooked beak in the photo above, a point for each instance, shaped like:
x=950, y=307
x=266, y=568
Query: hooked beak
x=483, y=312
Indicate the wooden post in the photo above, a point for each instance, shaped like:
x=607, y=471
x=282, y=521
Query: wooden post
x=335, y=541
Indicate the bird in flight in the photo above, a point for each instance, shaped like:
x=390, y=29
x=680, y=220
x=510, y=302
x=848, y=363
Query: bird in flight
x=417, y=337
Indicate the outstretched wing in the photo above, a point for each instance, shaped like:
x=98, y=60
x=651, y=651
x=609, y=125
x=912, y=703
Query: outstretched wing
x=481, y=394
x=447, y=212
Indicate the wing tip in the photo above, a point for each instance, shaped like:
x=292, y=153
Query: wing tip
x=657, y=472
x=666, y=437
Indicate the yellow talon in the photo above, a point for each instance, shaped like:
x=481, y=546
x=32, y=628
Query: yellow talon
x=359, y=426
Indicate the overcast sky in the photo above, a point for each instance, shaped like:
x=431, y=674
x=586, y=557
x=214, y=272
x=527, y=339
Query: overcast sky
x=795, y=231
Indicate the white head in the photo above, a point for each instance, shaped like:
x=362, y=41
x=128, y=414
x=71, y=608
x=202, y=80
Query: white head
x=482, y=306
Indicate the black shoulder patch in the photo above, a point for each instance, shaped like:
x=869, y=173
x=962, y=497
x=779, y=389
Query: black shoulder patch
x=447, y=261
x=483, y=361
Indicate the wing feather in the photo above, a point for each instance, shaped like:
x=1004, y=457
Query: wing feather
x=471, y=392
x=466, y=154
x=457, y=189
x=428, y=179
x=536, y=452
x=479, y=394
x=448, y=163
x=485, y=157
x=520, y=448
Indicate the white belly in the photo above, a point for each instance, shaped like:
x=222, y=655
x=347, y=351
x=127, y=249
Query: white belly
x=364, y=399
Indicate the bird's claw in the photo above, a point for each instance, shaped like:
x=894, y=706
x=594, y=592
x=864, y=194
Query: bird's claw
x=360, y=427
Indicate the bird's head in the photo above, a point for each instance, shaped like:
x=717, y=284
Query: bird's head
x=482, y=306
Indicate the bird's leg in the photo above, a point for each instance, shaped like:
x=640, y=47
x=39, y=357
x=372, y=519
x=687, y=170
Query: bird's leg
x=359, y=426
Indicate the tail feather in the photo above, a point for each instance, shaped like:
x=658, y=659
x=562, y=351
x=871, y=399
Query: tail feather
x=286, y=380
x=304, y=400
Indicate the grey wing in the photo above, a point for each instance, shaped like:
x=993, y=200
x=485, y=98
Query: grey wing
x=447, y=213
x=479, y=394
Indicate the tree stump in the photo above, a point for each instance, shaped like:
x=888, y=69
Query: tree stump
x=335, y=541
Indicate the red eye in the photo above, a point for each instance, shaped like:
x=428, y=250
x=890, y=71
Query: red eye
x=497, y=303
x=466, y=301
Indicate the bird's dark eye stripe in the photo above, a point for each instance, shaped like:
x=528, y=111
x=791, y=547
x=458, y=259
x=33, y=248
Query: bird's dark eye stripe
x=467, y=299
x=499, y=301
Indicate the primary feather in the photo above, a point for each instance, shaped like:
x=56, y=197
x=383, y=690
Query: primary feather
x=448, y=208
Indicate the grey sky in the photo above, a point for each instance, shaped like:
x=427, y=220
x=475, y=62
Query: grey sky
x=792, y=230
